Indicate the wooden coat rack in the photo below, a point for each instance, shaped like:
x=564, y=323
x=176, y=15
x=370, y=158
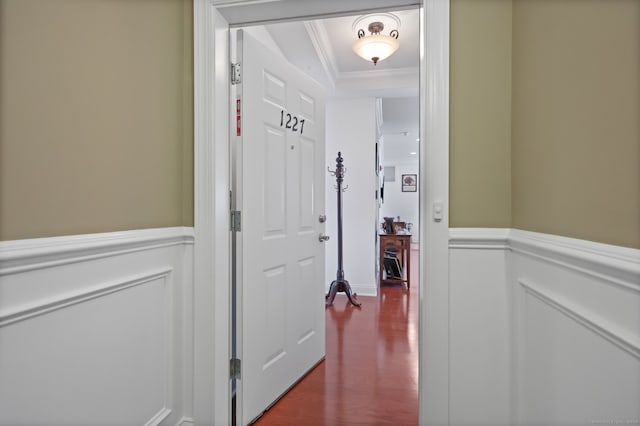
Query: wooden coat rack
x=340, y=284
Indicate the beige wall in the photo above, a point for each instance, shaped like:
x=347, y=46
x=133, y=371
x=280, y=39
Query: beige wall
x=544, y=114
x=96, y=116
x=480, y=113
x=96, y=119
x=576, y=139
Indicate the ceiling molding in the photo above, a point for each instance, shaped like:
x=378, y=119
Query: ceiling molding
x=408, y=72
x=394, y=74
x=349, y=80
x=385, y=17
x=400, y=82
x=320, y=39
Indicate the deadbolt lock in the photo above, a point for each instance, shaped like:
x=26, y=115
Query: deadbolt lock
x=322, y=218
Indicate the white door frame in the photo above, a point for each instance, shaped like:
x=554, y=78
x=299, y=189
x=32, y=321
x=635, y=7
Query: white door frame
x=211, y=320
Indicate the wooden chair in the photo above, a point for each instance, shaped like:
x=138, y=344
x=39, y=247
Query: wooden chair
x=396, y=247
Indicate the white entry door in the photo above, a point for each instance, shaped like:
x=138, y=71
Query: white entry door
x=279, y=160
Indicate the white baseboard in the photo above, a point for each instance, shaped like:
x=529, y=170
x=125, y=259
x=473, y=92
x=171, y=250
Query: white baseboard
x=364, y=290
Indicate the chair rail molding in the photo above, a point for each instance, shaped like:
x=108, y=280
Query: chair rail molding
x=618, y=265
x=479, y=238
x=27, y=255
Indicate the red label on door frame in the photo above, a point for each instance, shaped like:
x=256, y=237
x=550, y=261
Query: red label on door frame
x=238, y=117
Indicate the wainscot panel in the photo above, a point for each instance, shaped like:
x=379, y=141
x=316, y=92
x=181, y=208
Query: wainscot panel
x=96, y=329
x=543, y=329
x=576, y=330
x=479, y=327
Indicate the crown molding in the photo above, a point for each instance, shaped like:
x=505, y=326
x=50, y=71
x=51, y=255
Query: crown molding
x=400, y=73
x=346, y=80
x=400, y=81
x=317, y=33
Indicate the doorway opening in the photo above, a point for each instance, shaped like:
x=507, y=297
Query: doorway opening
x=212, y=123
x=358, y=126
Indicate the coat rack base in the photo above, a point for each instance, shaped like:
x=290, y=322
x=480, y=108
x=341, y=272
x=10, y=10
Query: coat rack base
x=341, y=286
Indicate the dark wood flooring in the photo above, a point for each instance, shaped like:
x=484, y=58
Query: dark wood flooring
x=370, y=373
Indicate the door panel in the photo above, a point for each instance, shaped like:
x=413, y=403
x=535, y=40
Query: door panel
x=280, y=259
x=274, y=184
x=307, y=172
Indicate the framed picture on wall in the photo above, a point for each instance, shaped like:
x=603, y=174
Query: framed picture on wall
x=377, y=161
x=409, y=183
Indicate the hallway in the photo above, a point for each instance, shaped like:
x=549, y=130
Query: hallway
x=370, y=374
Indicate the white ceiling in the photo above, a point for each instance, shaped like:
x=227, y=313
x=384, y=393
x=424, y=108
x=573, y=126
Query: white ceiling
x=322, y=49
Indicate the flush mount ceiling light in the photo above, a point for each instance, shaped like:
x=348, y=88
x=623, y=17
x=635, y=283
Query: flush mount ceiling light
x=376, y=46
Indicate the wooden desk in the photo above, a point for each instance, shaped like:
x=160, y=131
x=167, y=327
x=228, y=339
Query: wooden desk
x=402, y=243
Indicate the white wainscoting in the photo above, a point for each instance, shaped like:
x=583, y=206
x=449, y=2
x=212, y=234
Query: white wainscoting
x=576, y=331
x=97, y=329
x=544, y=330
x=479, y=351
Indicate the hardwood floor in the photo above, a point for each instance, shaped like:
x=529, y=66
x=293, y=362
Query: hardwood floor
x=370, y=374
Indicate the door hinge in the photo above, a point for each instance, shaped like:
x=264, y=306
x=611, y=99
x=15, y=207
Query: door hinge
x=236, y=220
x=234, y=368
x=236, y=73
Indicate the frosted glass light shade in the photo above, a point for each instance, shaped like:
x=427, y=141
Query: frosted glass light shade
x=375, y=47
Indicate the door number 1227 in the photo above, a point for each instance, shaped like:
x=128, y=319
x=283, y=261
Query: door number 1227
x=292, y=122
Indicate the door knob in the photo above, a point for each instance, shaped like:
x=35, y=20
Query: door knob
x=322, y=238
